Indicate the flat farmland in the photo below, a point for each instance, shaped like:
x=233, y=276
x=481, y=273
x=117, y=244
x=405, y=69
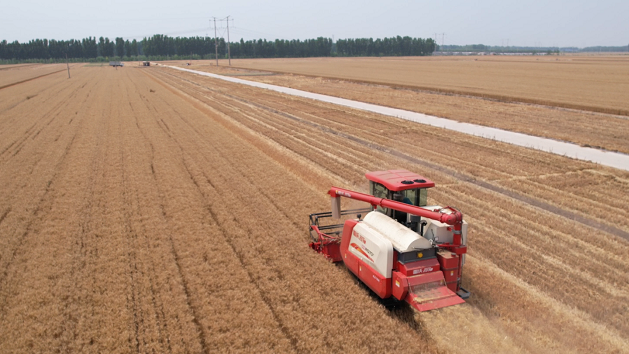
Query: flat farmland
x=15, y=74
x=592, y=83
x=151, y=210
x=580, y=126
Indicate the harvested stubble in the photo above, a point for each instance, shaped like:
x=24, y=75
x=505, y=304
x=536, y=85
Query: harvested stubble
x=535, y=240
x=544, y=119
x=591, y=83
x=137, y=233
x=11, y=75
x=174, y=222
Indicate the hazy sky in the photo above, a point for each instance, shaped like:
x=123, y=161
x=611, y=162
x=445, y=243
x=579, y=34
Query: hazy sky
x=493, y=22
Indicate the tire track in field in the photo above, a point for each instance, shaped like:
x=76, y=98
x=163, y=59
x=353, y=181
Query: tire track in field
x=83, y=250
x=262, y=192
x=171, y=242
x=34, y=215
x=506, y=221
x=54, y=172
x=265, y=120
x=198, y=314
x=208, y=207
x=4, y=215
x=156, y=300
x=535, y=161
x=206, y=155
x=464, y=93
x=331, y=161
x=53, y=111
x=31, y=79
x=550, y=257
x=409, y=158
x=58, y=160
x=441, y=168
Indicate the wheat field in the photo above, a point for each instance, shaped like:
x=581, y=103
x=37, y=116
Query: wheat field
x=594, y=83
x=526, y=105
x=147, y=210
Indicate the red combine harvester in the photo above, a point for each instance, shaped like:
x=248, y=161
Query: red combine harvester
x=402, y=248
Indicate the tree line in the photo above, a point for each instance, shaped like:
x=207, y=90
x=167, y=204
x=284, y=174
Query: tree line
x=395, y=46
x=204, y=47
x=160, y=45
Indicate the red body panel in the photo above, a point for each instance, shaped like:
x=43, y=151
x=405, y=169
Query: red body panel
x=418, y=267
x=374, y=280
x=351, y=261
x=450, y=263
x=450, y=274
x=448, y=260
x=424, y=278
x=399, y=285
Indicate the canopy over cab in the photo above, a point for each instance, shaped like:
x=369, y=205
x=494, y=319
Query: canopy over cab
x=402, y=186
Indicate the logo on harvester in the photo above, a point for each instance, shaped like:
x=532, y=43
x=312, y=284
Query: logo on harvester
x=361, y=251
x=423, y=270
x=343, y=194
x=359, y=236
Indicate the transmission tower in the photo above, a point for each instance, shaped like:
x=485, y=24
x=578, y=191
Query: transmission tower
x=215, y=42
x=227, y=19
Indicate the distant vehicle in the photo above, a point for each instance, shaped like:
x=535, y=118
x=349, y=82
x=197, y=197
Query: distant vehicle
x=116, y=63
x=146, y=63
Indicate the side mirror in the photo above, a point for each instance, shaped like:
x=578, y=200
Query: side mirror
x=412, y=218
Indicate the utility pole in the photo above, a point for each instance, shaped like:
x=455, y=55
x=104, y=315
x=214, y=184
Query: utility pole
x=68, y=65
x=215, y=42
x=229, y=54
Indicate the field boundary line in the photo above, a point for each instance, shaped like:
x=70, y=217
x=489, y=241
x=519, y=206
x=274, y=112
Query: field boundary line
x=445, y=91
x=31, y=79
x=603, y=157
x=18, y=66
x=542, y=205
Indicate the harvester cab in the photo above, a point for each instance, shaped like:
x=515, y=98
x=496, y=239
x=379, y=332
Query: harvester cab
x=399, y=247
x=401, y=186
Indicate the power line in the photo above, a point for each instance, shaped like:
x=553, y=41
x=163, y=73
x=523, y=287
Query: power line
x=443, y=36
x=215, y=42
x=229, y=55
x=226, y=19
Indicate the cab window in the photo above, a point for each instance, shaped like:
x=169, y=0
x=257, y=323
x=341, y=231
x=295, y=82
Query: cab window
x=417, y=197
x=423, y=197
x=410, y=196
x=379, y=191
